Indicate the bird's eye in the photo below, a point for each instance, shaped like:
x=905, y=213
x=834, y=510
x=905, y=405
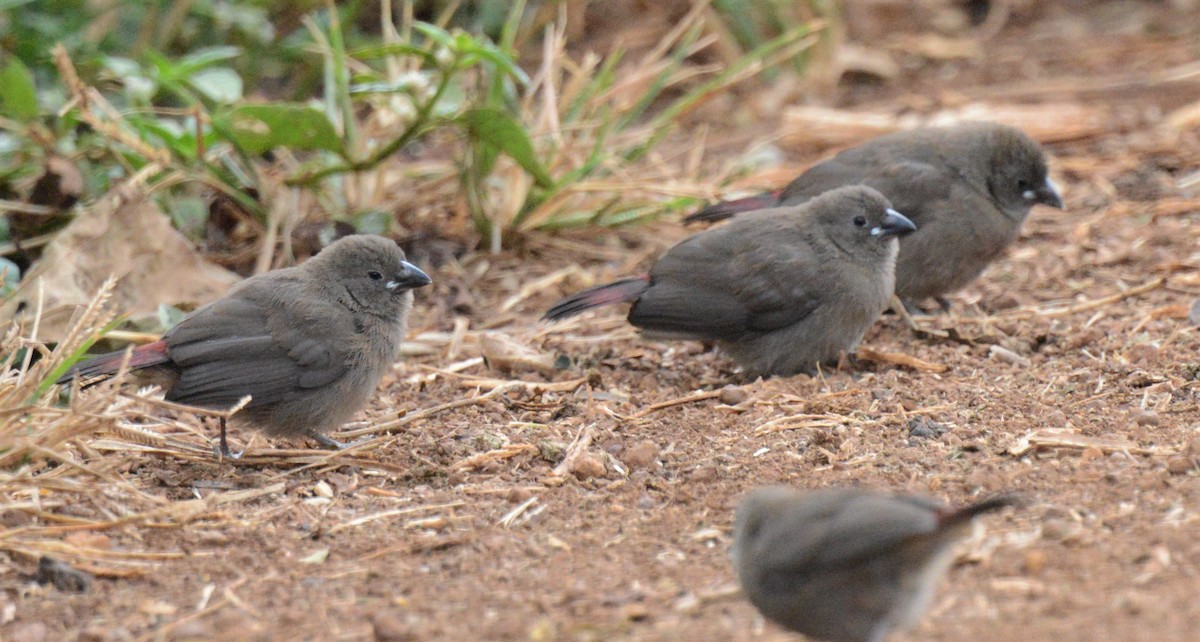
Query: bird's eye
x=375, y=276
x=860, y=221
x=1022, y=185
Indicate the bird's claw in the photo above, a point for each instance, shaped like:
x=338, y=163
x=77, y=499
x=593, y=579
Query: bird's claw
x=333, y=444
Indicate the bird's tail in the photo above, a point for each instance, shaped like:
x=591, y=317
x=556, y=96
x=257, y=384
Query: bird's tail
x=961, y=516
x=107, y=365
x=615, y=292
x=728, y=209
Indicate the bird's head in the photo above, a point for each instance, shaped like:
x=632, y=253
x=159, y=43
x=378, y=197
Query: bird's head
x=859, y=220
x=1017, y=177
x=373, y=272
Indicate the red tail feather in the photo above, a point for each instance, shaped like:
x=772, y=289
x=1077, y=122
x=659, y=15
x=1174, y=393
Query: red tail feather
x=107, y=365
x=728, y=209
x=616, y=292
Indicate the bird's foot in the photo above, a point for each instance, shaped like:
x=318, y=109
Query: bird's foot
x=221, y=448
x=333, y=444
x=943, y=303
x=221, y=451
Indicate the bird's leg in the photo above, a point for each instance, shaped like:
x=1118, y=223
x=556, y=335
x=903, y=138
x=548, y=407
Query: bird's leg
x=943, y=302
x=222, y=448
x=905, y=309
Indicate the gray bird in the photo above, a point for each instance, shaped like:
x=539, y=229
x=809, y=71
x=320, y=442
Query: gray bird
x=846, y=565
x=968, y=188
x=780, y=290
x=309, y=344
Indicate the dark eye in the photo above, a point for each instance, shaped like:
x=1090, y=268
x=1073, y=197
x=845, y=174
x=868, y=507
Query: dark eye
x=375, y=276
x=860, y=221
x=1023, y=185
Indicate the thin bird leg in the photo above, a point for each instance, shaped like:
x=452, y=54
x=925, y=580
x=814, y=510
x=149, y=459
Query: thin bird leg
x=222, y=450
x=901, y=308
x=943, y=302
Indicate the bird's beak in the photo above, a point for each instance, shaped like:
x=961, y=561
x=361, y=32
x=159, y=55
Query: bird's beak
x=894, y=224
x=1047, y=194
x=409, y=277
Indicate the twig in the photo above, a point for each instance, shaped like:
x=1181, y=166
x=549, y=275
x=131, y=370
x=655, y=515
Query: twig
x=653, y=408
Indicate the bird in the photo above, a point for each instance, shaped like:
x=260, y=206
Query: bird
x=846, y=564
x=967, y=187
x=780, y=290
x=308, y=344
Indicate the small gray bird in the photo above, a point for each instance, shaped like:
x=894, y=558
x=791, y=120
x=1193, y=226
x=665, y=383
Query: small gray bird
x=780, y=290
x=309, y=344
x=846, y=565
x=968, y=188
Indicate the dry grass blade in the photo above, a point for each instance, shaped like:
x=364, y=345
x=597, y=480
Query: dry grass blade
x=899, y=359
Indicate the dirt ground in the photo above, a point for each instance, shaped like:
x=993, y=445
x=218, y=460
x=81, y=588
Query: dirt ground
x=1073, y=378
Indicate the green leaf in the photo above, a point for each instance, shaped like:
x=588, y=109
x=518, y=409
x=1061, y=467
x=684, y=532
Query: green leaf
x=376, y=222
x=10, y=276
x=435, y=33
x=258, y=128
x=18, y=94
x=198, y=60
x=392, y=49
x=501, y=131
x=221, y=85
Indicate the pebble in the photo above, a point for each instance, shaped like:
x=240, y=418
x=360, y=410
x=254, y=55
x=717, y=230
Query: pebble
x=703, y=474
x=1180, y=464
x=641, y=455
x=389, y=628
x=588, y=466
x=517, y=495
x=1147, y=418
x=733, y=395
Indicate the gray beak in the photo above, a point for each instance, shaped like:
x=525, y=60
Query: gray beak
x=409, y=277
x=894, y=224
x=1047, y=194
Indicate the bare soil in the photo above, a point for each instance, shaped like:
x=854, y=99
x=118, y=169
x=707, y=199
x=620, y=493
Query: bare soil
x=1060, y=385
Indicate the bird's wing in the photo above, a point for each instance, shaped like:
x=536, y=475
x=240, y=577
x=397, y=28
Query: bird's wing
x=264, y=340
x=910, y=185
x=741, y=279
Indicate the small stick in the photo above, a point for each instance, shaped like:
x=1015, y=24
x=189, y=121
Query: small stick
x=429, y=412
x=653, y=408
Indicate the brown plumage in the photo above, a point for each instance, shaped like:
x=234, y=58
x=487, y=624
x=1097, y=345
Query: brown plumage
x=846, y=565
x=968, y=188
x=309, y=344
x=780, y=290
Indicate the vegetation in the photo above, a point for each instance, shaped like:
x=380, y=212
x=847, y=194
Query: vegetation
x=250, y=100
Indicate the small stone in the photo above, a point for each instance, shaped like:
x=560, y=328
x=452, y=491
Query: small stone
x=1034, y=563
x=1194, y=313
x=588, y=466
x=923, y=428
x=883, y=394
x=63, y=576
x=386, y=627
x=94, y=634
x=642, y=455
x=1147, y=418
x=516, y=495
x=732, y=395
x=1057, y=529
x=1180, y=464
x=703, y=474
